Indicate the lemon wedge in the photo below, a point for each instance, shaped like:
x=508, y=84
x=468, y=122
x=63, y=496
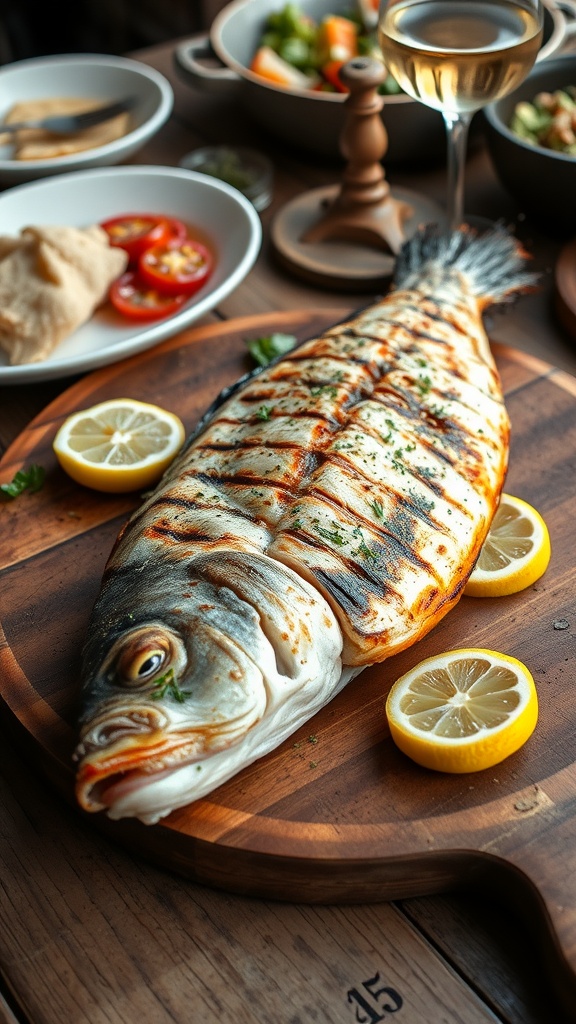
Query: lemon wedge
x=514, y=555
x=119, y=445
x=463, y=711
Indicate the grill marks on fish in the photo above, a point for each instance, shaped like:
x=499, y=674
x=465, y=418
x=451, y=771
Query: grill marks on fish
x=367, y=460
x=433, y=433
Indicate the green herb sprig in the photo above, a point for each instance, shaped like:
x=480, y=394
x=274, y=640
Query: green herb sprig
x=168, y=684
x=30, y=479
x=264, y=350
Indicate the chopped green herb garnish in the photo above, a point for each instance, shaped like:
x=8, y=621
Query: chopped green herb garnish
x=321, y=389
x=263, y=413
x=363, y=548
x=378, y=509
x=424, y=384
x=30, y=479
x=169, y=684
x=439, y=411
x=264, y=350
x=334, y=535
x=228, y=166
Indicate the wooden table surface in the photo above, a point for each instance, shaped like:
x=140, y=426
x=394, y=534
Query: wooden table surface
x=89, y=933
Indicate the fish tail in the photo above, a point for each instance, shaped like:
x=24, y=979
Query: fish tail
x=492, y=263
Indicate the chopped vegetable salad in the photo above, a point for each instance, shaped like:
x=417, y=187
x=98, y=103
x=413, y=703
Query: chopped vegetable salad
x=297, y=52
x=549, y=121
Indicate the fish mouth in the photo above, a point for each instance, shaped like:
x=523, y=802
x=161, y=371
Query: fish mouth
x=117, y=758
x=130, y=765
x=104, y=792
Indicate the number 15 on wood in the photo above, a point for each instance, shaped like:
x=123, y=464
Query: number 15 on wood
x=377, y=1002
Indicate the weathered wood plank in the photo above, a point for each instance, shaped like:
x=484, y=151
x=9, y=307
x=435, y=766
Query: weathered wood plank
x=90, y=934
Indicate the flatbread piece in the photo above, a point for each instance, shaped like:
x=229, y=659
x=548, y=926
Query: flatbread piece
x=51, y=281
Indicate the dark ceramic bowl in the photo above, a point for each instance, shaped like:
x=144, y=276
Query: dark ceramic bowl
x=542, y=181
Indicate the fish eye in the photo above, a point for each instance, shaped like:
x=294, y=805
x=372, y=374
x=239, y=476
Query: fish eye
x=137, y=666
x=151, y=664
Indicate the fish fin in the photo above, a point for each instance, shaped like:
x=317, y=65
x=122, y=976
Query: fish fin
x=492, y=262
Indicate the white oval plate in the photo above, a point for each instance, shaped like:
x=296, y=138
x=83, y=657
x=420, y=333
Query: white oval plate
x=222, y=213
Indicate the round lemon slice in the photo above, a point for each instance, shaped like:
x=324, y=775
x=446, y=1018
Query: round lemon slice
x=119, y=445
x=514, y=555
x=463, y=711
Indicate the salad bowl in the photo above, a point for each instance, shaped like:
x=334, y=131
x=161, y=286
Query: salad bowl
x=313, y=120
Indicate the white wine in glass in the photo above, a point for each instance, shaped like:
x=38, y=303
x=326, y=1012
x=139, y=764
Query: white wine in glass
x=457, y=56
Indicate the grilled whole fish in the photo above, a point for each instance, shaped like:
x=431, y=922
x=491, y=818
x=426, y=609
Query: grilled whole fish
x=325, y=515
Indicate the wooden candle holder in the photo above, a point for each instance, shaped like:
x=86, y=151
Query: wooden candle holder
x=364, y=208
x=348, y=235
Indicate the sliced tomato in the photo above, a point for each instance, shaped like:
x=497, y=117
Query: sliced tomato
x=136, y=232
x=331, y=72
x=180, y=266
x=134, y=298
x=178, y=229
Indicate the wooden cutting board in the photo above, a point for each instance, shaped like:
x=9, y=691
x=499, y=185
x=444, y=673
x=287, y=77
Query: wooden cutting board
x=337, y=813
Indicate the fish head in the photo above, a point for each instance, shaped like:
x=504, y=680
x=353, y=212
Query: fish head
x=167, y=681
x=191, y=672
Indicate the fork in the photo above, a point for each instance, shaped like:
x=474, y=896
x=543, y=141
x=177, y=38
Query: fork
x=67, y=124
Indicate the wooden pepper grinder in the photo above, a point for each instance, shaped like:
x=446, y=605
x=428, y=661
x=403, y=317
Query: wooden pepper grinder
x=347, y=235
x=363, y=209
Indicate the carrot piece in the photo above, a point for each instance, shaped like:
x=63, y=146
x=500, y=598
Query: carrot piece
x=268, y=64
x=337, y=39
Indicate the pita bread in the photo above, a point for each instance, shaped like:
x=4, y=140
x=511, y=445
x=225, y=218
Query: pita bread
x=35, y=144
x=51, y=281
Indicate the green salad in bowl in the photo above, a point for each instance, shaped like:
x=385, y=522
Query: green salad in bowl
x=299, y=51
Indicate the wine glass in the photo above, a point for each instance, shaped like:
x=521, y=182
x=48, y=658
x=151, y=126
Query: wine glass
x=457, y=56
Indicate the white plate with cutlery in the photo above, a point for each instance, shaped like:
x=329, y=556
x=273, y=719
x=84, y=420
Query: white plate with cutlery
x=95, y=77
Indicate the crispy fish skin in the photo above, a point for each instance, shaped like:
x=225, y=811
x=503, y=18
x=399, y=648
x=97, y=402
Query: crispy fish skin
x=358, y=476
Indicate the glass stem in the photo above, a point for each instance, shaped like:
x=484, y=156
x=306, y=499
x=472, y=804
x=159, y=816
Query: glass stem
x=457, y=126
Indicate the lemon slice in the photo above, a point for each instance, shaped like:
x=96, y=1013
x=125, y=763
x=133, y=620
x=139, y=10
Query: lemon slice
x=463, y=711
x=119, y=445
x=515, y=553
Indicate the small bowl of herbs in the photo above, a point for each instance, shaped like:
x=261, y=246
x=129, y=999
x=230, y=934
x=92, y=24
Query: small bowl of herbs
x=242, y=168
